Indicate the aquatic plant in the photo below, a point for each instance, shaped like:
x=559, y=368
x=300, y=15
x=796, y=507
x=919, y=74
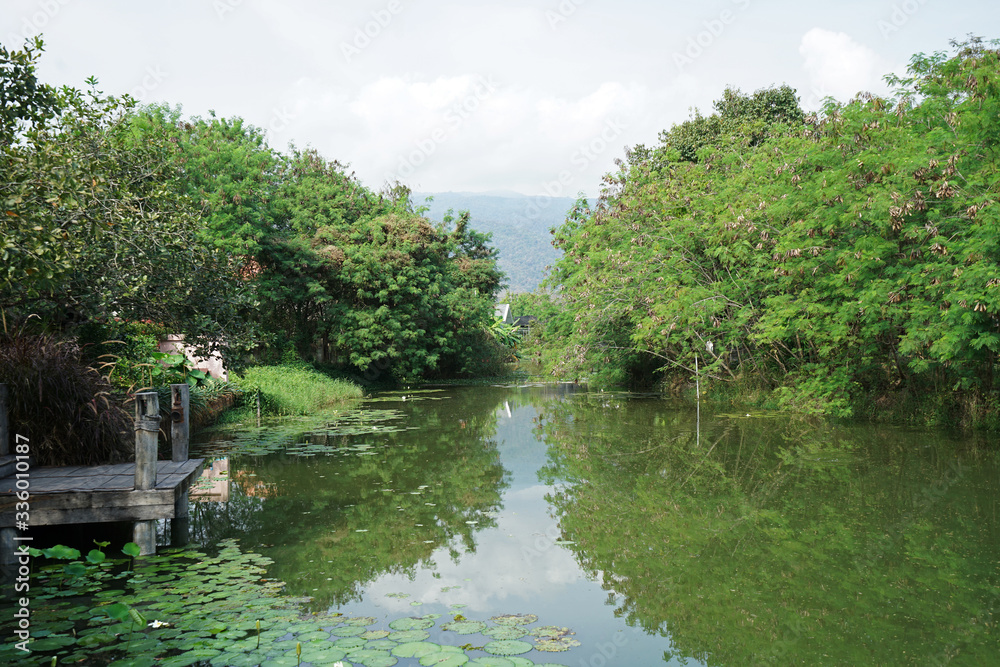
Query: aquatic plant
x=221, y=610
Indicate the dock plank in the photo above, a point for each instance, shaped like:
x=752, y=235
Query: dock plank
x=97, y=494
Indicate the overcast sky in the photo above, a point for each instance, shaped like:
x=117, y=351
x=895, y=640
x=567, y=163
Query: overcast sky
x=531, y=96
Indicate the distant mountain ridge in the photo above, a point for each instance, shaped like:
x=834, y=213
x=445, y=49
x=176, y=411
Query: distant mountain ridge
x=520, y=226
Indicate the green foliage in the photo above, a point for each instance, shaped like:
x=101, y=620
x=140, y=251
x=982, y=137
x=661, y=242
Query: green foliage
x=112, y=212
x=347, y=275
x=121, y=350
x=24, y=101
x=836, y=257
x=505, y=334
x=64, y=405
x=776, y=540
x=292, y=390
x=96, y=225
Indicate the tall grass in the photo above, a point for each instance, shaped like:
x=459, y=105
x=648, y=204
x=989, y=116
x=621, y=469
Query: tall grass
x=290, y=389
x=64, y=407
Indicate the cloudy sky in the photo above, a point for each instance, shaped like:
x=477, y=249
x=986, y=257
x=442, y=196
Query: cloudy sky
x=537, y=97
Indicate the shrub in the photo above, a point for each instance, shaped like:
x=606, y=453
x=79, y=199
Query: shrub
x=123, y=350
x=62, y=405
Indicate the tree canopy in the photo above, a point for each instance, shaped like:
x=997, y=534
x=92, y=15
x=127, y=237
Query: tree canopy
x=835, y=257
x=118, y=211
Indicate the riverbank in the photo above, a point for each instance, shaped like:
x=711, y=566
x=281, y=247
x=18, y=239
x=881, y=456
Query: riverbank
x=286, y=389
x=966, y=411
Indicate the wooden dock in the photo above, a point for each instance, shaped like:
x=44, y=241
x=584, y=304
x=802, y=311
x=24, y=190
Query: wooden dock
x=142, y=492
x=96, y=494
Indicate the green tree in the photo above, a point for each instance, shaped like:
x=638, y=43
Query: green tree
x=841, y=258
x=96, y=226
x=24, y=101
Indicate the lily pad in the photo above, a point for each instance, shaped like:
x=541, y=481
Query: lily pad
x=372, y=658
x=507, y=647
x=51, y=643
x=550, y=632
x=348, y=631
x=555, y=645
x=281, y=661
x=514, y=619
x=320, y=653
x=491, y=661
x=189, y=658
x=404, y=636
x=360, y=620
x=445, y=659
x=411, y=623
x=415, y=649
x=135, y=661
x=524, y=662
x=464, y=627
x=375, y=634
x=506, y=632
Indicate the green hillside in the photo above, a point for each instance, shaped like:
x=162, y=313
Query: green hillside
x=520, y=226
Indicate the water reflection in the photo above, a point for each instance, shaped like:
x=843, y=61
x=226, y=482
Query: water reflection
x=778, y=540
x=352, y=507
x=754, y=539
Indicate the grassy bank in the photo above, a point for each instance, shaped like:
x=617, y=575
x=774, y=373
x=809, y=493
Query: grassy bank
x=288, y=389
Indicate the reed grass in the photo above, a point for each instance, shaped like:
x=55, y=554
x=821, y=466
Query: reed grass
x=292, y=389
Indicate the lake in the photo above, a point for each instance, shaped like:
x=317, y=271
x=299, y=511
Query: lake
x=652, y=533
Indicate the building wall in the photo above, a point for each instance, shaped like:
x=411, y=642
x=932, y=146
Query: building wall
x=174, y=343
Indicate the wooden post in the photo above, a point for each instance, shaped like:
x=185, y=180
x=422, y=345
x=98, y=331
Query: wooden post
x=147, y=431
x=697, y=396
x=180, y=524
x=4, y=424
x=144, y=536
x=180, y=427
x=180, y=420
x=8, y=547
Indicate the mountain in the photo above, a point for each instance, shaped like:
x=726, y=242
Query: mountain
x=520, y=226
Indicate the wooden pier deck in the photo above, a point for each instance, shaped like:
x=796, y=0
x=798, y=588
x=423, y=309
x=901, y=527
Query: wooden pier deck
x=95, y=494
x=142, y=492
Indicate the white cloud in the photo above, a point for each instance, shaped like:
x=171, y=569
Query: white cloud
x=281, y=65
x=838, y=66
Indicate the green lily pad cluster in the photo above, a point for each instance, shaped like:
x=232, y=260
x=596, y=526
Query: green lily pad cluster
x=189, y=608
x=320, y=435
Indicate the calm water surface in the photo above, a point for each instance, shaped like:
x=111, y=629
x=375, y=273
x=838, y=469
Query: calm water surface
x=657, y=538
